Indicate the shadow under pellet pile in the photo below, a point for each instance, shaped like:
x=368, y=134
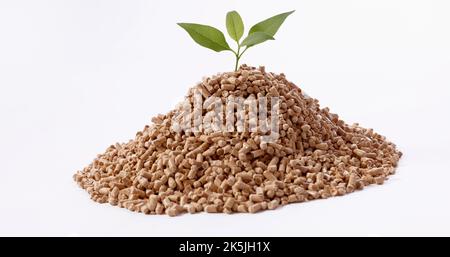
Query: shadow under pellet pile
x=317, y=155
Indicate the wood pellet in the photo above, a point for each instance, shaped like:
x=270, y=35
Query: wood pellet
x=317, y=156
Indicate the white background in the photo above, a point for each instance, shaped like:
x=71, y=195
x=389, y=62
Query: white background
x=77, y=76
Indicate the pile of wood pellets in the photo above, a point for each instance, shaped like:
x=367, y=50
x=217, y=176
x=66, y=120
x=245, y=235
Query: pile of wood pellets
x=316, y=156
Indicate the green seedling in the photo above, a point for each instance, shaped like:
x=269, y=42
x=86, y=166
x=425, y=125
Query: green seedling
x=214, y=39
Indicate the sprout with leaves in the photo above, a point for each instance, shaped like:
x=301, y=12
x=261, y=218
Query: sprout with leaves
x=214, y=39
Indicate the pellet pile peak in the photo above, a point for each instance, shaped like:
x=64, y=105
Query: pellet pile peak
x=310, y=154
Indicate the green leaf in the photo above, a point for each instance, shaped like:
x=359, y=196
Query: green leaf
x=271, y=25
x=206, y=36
x=256, y=38
x=235, y=26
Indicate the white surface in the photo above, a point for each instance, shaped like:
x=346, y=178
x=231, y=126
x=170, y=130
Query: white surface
x=77, y=76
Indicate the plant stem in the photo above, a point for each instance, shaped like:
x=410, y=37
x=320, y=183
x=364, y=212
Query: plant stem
x=243, y=52
x=237, y=58
x=238, y=55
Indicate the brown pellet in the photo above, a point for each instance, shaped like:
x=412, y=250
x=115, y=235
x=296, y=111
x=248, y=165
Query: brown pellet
x=172, y=211
x=255, y=208
x=211, y=208
x=273, y=204
x=256, y=198
x=316, y=155
x=229, y=203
